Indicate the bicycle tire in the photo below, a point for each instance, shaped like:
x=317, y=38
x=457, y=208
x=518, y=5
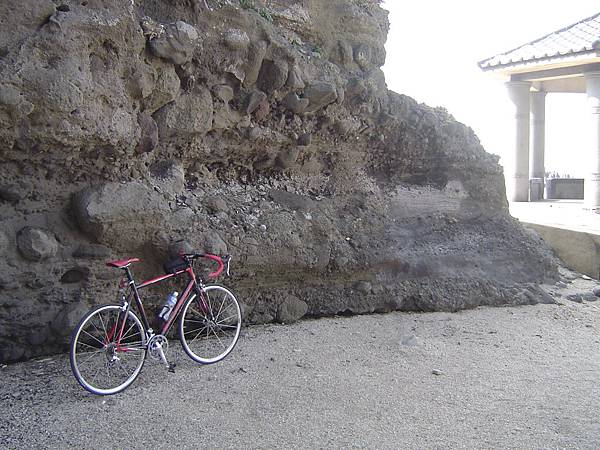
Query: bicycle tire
x=93, y=343
x=209, y=337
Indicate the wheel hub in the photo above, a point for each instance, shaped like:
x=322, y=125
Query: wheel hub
x=111, y=352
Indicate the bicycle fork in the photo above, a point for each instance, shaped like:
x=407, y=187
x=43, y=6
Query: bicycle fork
x=203, y=305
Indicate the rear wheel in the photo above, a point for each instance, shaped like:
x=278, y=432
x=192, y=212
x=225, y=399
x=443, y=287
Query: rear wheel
x=210, y=324
x=100, y=364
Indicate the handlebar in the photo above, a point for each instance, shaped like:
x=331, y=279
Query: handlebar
x=222, y=261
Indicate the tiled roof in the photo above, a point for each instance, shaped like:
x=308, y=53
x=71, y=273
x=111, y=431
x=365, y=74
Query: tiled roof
x=581, y=37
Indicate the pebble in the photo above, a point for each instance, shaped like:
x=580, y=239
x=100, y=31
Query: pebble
x=409, y=340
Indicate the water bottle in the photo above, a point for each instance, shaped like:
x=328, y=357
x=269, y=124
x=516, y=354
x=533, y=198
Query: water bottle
x=166, y=311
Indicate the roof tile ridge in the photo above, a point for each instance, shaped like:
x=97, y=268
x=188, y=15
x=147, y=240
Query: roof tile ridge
x=480, y=63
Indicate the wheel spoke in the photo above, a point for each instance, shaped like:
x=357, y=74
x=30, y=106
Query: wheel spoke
x=225, y=320
x=195, y=330
x=94, y=338
x=227, y=326
x=128, y=330
x=90, y=346
x=229, y=309
x=196, y=321
x=97, y=329
x=218, y=339
x=104, y=327
x=96, y=374
x=199, y=333
x=210, y=309
x=123, y=369
x=221, y=307
x=91, y=357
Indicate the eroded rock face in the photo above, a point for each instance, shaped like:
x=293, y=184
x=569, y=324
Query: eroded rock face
x=136, y=129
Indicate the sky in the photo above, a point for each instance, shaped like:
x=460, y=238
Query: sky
x=432, y=52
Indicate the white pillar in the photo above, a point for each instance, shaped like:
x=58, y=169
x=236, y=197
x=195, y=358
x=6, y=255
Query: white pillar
x=538, y=139
x=517, y=175
x=592, y=179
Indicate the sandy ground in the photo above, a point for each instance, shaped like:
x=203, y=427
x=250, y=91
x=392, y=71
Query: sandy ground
x=521, y=377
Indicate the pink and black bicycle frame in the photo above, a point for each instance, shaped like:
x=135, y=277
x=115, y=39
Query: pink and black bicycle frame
x=175, y=313
x=192, y=285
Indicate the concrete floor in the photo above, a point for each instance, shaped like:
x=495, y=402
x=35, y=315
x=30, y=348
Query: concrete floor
x=568, y=227
x=564, y=214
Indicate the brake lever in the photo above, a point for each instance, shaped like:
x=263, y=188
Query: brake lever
x=228, y=260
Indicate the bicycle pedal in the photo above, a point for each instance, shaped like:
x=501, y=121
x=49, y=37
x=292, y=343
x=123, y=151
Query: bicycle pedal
x=172, y=367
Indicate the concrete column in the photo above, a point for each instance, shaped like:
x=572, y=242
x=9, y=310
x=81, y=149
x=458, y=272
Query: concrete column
x=537, y=142
x=517, y=175
x=592, y=179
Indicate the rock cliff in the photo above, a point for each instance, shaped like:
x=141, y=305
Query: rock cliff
x=260, y=129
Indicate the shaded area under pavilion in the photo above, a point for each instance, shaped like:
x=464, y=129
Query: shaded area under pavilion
x=565, y=61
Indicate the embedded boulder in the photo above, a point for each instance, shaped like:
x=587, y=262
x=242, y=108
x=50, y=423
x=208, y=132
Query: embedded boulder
x=176, y=44
x=320, y=95
x=236, y=39
x=272, y=75
x=36, y=244
x=190, y=115
x=252, y=68
x=118, y=213
x=255, y=100
x=295, y=104
x=148, y=133
x=291, y=310
x=165, y=87
x=167, y=176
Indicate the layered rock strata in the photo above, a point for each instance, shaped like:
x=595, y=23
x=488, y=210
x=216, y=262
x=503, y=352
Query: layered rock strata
x=264, y=130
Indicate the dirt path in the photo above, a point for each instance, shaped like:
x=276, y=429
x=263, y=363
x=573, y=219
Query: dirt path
x=525, y=377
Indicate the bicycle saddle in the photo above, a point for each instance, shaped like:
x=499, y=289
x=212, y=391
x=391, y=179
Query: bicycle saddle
x=121, y=264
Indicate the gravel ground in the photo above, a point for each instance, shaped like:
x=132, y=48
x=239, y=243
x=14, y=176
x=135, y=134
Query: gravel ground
x=521, y=377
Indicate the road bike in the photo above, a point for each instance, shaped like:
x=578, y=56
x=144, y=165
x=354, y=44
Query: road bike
x=110, y=344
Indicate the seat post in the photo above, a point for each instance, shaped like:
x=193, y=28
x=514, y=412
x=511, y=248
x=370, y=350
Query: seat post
x=128, y=272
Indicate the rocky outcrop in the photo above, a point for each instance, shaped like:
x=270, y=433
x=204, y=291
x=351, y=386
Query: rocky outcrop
x=262, y=129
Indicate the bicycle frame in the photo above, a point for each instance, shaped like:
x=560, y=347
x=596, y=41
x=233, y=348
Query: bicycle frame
x=193, y=284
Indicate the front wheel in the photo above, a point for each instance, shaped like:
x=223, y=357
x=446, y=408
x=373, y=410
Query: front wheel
x=101, y=362
x=210, y=324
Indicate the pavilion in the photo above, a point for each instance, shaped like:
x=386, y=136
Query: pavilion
x=567, y=60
